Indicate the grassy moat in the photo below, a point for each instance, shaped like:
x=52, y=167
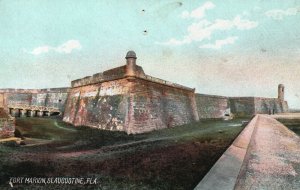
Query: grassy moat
x=174, y=158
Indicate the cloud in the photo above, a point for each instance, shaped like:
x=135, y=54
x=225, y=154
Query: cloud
x=40, y=50
x=279, y=14
x=175, y=42
x=203, y=29
x=198, y=12
x=219, y=43
x=66, y=48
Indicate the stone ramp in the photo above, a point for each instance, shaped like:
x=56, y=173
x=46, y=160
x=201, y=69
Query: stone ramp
x=224, y=173
x=266, y=155
x=273, y=158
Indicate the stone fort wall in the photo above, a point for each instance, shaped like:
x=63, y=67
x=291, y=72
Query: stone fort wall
x=131, y=103
x=20, y=98
x=7, y=124
x=126, y=99
x=270, y=105
x=212, y=107
x=249, y=106
x=159, y=106
x=242, y=106
x=102, y=105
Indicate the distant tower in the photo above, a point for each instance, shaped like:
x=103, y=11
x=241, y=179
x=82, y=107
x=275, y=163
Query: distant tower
x=281, y=92
x=130, y=63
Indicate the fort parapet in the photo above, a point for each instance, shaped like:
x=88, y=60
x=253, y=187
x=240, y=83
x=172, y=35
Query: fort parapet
x=119, y=73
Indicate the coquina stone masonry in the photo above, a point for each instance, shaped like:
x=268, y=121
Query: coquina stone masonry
x=126, y=99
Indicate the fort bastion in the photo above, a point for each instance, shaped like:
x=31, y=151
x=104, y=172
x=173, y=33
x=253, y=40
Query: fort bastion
x=127, y=99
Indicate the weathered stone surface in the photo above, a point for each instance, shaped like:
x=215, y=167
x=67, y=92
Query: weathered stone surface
x=249, y=106
x=127, y=99
x=130, y=104
x=102, y=105
x=272, y=159
x=210, y=106
x=7, y=124
x=270, y=105
x=156, y=106
x=242, y=106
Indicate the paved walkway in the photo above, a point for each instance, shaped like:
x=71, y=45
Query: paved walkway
x=266, y=155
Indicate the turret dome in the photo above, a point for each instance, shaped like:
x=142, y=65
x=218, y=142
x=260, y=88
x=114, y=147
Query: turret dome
x=130, y=54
